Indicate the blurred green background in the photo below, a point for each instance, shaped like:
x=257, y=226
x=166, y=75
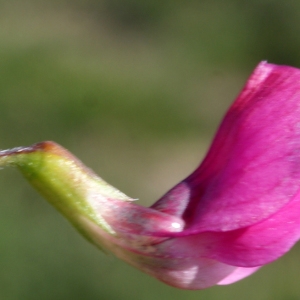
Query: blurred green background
x=136, y=90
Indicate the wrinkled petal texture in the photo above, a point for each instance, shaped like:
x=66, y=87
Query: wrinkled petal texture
x=244, y=199
x=253, y=166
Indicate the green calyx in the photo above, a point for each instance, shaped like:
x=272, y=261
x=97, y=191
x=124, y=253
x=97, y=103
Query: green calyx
x=63, y=180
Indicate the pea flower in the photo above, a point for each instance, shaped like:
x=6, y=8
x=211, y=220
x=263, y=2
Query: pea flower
x=238, y=211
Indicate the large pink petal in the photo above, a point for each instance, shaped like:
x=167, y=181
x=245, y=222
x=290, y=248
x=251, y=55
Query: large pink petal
x=253, y=166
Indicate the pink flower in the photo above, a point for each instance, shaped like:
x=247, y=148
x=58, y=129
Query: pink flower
x=238, y=211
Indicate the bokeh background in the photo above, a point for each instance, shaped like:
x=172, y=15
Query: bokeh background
x=136, y=90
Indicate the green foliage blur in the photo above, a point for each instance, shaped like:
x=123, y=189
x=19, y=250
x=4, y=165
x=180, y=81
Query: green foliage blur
x=136, y=90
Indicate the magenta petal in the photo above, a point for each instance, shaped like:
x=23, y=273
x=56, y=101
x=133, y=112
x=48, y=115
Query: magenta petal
x=239, y=209
x=253, y=166
x=238, y=274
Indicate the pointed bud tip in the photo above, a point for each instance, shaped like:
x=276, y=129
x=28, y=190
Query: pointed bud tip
x=44, y=146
